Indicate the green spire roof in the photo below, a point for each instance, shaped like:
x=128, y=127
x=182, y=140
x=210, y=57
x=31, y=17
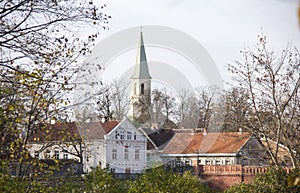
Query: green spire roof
x=141, y=66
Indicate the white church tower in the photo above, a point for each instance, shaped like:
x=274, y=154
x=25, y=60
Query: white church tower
x=141, y=83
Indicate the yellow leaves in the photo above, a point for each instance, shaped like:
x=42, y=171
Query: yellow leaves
x=11, y=107
x=18, y=120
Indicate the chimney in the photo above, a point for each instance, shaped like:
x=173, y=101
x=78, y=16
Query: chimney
x=103, y=119
x=204, y=131
x=240, y=130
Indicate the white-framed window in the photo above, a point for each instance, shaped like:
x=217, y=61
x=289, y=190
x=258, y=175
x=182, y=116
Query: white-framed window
x=114, y=154
x=134, y=136
x=56, y=154
x=218, y=162
x=137, y=154
x=128, y=135
x=207, y=162
x=227, y=162
x=187, y=162
x=126, y=152
x=122, y=136
x=178, y=162
x=66, y=156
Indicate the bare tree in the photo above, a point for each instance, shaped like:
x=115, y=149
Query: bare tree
x=273, y=84
x=237, y=108
x=205, y=97
x=104, y=103
x=120, y=99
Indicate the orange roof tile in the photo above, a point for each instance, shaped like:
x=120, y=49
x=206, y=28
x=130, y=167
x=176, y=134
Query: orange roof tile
x=214, y=143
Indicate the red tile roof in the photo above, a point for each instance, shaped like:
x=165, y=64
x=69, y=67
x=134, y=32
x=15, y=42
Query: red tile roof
x=66, y=132
x=73, y=131
x=214, y=143
x=109, y=125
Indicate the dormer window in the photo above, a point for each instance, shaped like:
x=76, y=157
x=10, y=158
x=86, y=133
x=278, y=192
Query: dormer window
x=129, y=135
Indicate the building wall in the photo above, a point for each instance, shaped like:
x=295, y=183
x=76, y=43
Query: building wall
x=51, y=151
x=94, y=154
x=253, y=154
x=222, y=177
x=126, y=149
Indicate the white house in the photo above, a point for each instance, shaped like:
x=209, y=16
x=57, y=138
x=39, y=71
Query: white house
x=118, y=146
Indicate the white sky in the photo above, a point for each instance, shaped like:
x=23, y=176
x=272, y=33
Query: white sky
x=222, y=27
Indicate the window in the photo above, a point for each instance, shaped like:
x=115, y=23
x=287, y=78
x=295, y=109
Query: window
x=116, y=135
x=142, y=89
x=137, y=154
x=47, y=155
x=112, y=170
x=114, y=154
x=207, y=162
x=129, y=135
x=227, y=162
x=218, y=162
x=56, y=154
x=122, y=135
x=36, y=154
x=178, y=162
x=126, y=154
x=134, y=136
x=66, y=156
x=187, y=162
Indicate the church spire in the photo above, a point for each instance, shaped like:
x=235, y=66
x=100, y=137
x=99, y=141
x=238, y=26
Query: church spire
x=141, y=67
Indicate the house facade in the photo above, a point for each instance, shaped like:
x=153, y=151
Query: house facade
x=116, y=145
x=126, y=149
x=61, y=142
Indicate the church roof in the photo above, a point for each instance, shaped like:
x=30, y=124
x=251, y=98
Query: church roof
x=141, y=66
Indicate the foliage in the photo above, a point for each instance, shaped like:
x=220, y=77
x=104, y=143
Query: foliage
x=160, y=180
x=275, y=180
x=100, y=180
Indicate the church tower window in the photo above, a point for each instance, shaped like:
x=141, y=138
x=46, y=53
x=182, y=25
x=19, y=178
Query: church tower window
x=142, y=88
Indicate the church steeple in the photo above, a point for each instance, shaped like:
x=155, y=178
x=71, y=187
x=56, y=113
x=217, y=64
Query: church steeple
x=141, y=66
x=141, y=93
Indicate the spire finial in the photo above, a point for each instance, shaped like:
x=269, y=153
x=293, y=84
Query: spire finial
x=141, y=27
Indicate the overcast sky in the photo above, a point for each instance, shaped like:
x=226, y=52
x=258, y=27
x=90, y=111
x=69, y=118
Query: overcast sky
x=222, y=27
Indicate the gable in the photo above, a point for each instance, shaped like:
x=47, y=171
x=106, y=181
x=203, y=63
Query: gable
x=124, y=127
